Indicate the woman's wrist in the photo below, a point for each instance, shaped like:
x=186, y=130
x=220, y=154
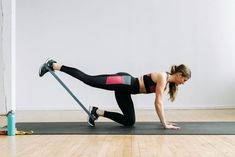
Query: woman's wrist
x=163, y=124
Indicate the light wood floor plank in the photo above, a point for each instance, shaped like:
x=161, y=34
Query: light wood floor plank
x=121, y=145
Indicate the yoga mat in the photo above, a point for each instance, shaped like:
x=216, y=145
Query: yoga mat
x=140, y=128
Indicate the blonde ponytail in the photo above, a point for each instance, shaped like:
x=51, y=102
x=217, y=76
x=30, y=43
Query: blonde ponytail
x=173, y=88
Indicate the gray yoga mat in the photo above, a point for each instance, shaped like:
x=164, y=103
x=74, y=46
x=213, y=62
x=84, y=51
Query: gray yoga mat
x=140, y=128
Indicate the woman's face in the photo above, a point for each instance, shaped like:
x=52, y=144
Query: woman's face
x=180, y=79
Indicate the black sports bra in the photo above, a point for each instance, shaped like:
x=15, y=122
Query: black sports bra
x=150, y=85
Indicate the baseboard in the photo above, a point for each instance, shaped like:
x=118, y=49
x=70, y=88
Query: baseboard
x=108, y=107
x=200, y=107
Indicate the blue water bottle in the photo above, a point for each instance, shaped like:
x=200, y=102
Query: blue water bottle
x=11, y=123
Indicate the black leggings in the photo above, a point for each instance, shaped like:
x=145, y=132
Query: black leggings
x=123, y=84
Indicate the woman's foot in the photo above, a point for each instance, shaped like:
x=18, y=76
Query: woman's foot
x=46, y=66
x=95, y=116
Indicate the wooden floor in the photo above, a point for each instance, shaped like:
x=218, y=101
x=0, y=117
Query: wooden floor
x=119, y=145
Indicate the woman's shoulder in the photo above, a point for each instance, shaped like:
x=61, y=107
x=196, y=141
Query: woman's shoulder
x=158, y=76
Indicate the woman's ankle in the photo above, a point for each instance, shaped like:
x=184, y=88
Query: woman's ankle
x=100, y=112
x=56, y=66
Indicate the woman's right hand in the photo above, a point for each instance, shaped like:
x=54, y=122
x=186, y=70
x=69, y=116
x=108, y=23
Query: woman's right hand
x=172, y=127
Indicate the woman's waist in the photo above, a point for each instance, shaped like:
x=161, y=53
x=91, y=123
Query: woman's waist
x=141, y=85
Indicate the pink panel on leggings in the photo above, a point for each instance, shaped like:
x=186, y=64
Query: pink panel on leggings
x=114, y=80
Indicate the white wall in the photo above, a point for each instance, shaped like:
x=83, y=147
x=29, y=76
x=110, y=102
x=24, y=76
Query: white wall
x=1, y=64
x=7, y=55
x=135, y=36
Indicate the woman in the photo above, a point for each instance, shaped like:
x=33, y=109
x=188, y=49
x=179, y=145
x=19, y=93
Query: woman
x=123, y=85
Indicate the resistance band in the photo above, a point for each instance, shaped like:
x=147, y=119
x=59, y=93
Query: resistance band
x=69, y=91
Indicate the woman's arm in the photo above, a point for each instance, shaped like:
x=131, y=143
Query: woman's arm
x=160, y=108
x=161, y=83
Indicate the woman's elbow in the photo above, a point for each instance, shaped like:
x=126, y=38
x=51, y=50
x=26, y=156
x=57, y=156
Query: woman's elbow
x=158, y=105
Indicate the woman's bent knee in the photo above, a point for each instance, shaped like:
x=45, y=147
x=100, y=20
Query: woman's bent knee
x=129, y=122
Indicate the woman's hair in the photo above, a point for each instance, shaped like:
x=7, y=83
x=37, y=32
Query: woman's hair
x=173, y=88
